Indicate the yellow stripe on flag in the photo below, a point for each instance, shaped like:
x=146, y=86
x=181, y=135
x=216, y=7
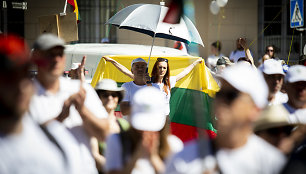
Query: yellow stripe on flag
x=198, y=79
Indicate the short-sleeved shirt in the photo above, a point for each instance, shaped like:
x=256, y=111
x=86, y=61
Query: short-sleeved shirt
x=160, y=86
x=130, y=89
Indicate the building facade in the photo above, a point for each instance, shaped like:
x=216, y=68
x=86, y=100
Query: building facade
x=262, y=22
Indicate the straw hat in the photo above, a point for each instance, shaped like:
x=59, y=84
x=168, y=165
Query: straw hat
x=271, y=117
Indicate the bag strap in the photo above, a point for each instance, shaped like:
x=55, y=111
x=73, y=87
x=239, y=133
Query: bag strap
x=53, y=140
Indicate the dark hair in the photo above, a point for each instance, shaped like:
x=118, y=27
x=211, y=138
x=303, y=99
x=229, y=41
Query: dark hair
x=221, y=61
x=217, y=45
x=132, y=137
x=244, y=59
x=266, y=50
x=166, y=79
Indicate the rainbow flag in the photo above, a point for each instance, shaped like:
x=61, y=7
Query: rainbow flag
x=75, y=9
x=191, y=98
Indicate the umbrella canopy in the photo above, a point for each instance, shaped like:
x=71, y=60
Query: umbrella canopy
x=148, y=19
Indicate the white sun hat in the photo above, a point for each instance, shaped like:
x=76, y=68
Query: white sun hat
x=139, y=59
x=148, y=109
x=296, y=73
x=272, y=66
x=248, y=80
x=110, y=85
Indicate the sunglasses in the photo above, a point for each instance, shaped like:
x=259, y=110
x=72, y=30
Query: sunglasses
x=162, y=59
x=106, y=94
x=227, y=96
x=277, y=131
x=270, y=50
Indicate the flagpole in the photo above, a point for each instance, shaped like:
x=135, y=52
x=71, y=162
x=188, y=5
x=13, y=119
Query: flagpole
x=64, y=11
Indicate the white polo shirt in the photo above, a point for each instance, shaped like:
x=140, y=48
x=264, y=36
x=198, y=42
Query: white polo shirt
x=45, y=106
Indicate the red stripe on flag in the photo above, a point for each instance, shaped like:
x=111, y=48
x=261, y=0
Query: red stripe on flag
x=71, y=2
x=187, y=133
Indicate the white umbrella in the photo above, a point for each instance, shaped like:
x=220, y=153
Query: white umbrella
x=148, y=19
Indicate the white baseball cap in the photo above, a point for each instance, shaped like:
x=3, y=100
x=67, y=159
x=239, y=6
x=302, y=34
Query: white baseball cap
x=296, y=73
x=75, y=66
x=139, y=59
x=246, y=79
x=272, y=66
x=148, y=109
x=47, y=41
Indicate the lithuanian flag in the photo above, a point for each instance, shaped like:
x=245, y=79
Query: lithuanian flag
x=75, y=9
x=191, y=98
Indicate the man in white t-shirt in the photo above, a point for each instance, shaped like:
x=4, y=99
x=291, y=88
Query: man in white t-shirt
x=274, y=76
x=71, y=102
x=138, y=69
x=236, y=149
x=295, y=86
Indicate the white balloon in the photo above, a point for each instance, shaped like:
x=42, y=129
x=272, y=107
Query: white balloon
x=222, y=3
x=214, y=8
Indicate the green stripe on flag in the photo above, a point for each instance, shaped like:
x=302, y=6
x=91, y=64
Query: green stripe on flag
x=186, y=103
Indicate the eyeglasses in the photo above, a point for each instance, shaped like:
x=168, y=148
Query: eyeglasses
x=270, y=50
x=106, y=94
x=227, y=96
x=162, y=59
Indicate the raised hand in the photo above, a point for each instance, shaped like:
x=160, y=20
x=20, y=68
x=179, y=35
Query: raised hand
x=81, y=68
x=108, y=59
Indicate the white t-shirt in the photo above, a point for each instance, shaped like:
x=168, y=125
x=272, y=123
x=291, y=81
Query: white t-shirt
x=45, y=106
x=30, y=152
x=114, y=155
x=279, y=98
x=256, y=156
x=235, y=55
x=160, y=86
x=130, y=90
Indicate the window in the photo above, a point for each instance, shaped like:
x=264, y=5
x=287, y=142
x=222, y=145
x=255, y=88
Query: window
x=94, y=14
x=275, y=15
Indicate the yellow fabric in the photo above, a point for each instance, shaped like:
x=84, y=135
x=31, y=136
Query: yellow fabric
x=198, y=79
x=76, y=9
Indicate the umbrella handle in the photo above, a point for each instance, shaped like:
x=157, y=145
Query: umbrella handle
x=151, y=51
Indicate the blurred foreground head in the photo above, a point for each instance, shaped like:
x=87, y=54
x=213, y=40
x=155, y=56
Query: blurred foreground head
x=243, y=93
x=15, y=86
x=48, y=55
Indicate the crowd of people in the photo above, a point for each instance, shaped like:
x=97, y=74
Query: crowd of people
x=52, y=124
